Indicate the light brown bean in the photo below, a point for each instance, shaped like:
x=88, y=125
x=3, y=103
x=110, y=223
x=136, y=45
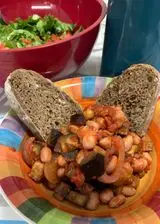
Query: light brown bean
x=73, y=128
x=111, y=164
x=93, y=124
x=139, y=165
x=117, y=201
x=148, y=157
x=46, y=154
x=93, y=201
x=60, y=172
x=80, y=156
x=128, y=142
x=106, y=196
x=88, y=113
x=106, y=142
x=136, y=138
x=89, y=141
x=101, y=122
x=61, y=161
x=128, y=191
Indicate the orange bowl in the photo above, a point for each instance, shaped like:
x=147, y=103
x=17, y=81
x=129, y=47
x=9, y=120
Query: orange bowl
x=31, y=198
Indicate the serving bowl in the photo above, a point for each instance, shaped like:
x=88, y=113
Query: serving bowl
x=56, y=60
x=37, y=204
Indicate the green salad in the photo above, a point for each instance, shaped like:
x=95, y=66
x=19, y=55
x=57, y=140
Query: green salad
x=34, y=31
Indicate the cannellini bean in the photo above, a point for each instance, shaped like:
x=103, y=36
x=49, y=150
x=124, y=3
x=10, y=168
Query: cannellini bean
x=128, y=191
x=117, y=201
x=88, y=113
x=128, y=142
x=136, y=138
x=93, y=201
x=73, y=128
x=46, y=154
x=106, y=142
x=60, y=172
x=139, y=165
x=111, y=164
x=93, y=124
x=101, y=122
x=89, y=141
x=106, y=196
x=61, y=161
x=80, y=156
x=148, y=157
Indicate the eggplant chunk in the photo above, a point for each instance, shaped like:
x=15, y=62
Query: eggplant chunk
x=37, y=171
x=93, y=201
x=77, y=119
x=70, y=156
x=61, y=191
x=77, y=198
x=54, y=136
x=93, y=165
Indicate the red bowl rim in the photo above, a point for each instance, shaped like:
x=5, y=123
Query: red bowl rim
x=96, y=23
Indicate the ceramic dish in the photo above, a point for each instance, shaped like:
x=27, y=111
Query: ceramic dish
x=37, y=205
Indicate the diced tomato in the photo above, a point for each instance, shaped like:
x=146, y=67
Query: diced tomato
x=55, y=38
x=68, y=35
x=26, y=41
x=2, y=46
x=78, y=178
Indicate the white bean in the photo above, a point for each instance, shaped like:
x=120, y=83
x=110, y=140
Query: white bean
x=93, y=201
x=106, y=196
x=117, y=201
x=128, y=191
x=112, y=164
x=89, y=141
x=128, y=142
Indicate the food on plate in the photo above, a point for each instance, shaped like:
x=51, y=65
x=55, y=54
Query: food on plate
x=100, y=153
x=41, y=106
x=93, y=156
x=34, y=31
x=137, y=91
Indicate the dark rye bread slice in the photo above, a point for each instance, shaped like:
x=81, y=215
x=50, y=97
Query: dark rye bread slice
x=136, y=90
x=40, y=105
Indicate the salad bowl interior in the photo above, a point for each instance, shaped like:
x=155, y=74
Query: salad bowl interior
x=37, y=203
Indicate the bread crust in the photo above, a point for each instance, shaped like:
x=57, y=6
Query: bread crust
x=117, y=86
x=19, y=108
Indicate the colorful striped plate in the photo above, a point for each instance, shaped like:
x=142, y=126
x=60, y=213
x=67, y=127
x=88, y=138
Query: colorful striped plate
x=30, y=201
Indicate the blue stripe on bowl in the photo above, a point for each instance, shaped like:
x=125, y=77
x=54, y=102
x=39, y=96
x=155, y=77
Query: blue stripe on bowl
x=103, y=221
x=9, y=138
x=88, y=86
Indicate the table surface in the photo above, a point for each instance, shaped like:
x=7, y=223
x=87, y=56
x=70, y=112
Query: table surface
x=91, y=67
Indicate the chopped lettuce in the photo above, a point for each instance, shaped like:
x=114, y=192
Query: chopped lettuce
x=33, y=31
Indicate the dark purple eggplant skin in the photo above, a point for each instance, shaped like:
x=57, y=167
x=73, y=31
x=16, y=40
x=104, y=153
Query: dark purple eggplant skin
x=77, y=119
x=92, y=165
x=54, y=136
x=61, y=191
x=77, y=198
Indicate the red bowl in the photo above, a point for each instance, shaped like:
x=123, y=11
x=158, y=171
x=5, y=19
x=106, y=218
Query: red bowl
x=54, y=61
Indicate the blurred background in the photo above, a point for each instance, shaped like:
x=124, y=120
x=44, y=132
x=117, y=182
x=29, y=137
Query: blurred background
x=92, y=65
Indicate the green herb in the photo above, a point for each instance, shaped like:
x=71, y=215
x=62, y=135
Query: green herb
x=34, y=31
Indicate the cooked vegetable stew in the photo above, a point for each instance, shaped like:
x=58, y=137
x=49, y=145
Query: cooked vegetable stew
x=96, y=159
x=35, y=31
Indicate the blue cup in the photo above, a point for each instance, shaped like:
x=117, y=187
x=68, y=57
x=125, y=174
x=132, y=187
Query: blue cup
x=132, y=35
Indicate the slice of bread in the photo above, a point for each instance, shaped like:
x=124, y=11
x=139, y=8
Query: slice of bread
x=136, y=90
x=40, y=105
